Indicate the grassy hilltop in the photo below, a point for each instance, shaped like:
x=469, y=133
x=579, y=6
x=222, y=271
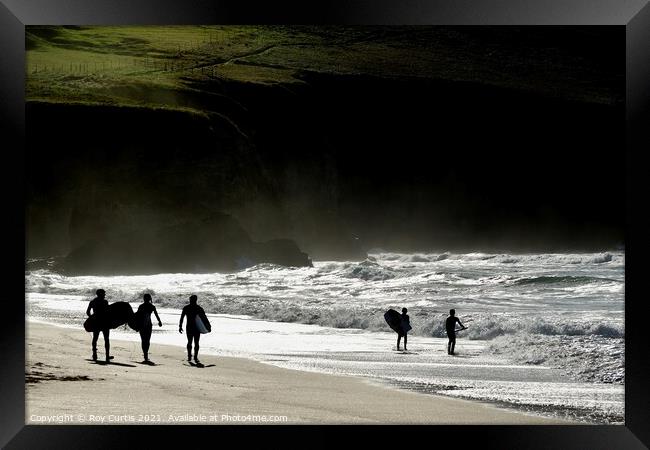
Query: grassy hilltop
x=151, y=65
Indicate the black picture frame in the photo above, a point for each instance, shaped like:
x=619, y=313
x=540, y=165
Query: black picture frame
x=634, y=16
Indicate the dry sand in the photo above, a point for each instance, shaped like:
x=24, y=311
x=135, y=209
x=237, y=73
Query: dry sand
x=65, y=386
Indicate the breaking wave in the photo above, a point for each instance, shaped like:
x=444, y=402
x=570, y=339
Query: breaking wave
x=550, y=258
x=521, y=304
x=369, y=271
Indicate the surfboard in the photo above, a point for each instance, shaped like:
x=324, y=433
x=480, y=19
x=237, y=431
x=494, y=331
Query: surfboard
x=200, y=325
x=138, y=320
x=116, y=314
x=394, y=320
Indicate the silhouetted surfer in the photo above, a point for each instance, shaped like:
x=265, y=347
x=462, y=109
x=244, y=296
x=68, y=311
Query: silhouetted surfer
x=98, y=306
x=145, y=309
x=450, y=324
x=192, y=311
x=406, y=326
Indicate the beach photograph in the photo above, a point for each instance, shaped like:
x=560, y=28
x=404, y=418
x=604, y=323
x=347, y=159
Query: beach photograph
x=245, y=225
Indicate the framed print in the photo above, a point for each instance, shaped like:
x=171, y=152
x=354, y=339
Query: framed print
x=249, y=219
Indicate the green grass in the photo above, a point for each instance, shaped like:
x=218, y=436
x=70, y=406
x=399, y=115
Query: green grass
x=87, y=64
x=93, y=64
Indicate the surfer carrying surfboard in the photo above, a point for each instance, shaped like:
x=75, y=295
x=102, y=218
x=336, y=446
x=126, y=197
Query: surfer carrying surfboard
x=406, y=327
x=98, y=305
x=450, y=325
x=192, y=330
x=143, y=316
x=399, y=323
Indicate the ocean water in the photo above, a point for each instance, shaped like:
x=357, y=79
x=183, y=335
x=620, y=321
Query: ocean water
x=545, y=331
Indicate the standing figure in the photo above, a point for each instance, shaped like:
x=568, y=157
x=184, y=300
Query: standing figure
x=98, y=305
x=193, y=312
x=406, y=327
x=144, y=312
x=450, y=325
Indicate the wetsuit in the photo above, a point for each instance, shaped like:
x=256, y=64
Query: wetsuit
x=450, y=324
x=98, y=306
x=192, y=333
x=405, y=326
x=146, y=327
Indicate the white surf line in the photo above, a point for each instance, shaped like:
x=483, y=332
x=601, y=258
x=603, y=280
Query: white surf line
x=428, y=364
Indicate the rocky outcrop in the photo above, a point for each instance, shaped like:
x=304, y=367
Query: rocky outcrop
x=214, y=244
x=284, y=252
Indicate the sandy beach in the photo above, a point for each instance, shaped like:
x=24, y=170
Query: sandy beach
x=63, y=385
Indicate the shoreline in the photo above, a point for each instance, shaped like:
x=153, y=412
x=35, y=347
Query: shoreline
x=65, y=386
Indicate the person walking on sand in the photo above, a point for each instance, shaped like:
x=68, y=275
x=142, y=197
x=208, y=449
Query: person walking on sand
x=144, y=311
x=98, y=306
x=450, y=325
x=406, y=327
x=192, y=311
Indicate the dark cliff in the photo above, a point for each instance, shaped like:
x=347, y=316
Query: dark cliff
x=337, y=162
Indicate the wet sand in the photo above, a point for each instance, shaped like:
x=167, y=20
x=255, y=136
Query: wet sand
x=63, y=385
